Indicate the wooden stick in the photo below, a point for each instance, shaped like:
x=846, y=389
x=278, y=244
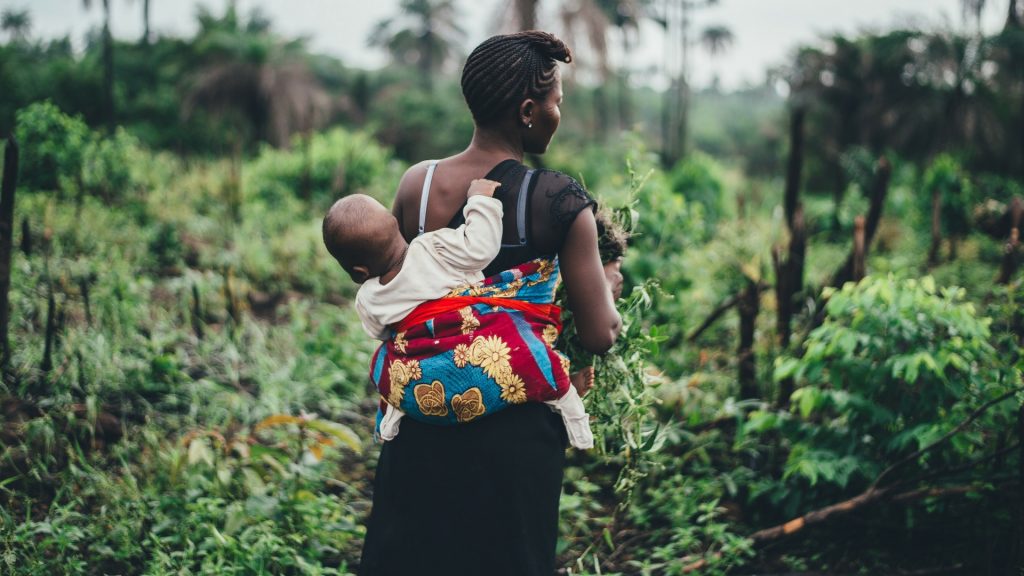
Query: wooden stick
x=7, y=188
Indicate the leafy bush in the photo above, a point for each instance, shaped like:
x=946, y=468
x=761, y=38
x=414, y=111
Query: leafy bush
x=698, y=178
x=324, y=167
x=895, y=366
x=108, y=166
x=946, y=178
x=52, y=147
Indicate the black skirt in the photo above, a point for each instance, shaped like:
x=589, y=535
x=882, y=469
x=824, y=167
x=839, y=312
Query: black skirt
x=475, y=499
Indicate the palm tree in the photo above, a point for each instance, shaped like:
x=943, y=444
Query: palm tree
x=425, y=33
x=971, y=10
x=1014, y=20
x=675, y=18
x=525, y=13
x=717, y=40
x=254, y=75
x=16, y=23
x=108, y=65
x=145, y=22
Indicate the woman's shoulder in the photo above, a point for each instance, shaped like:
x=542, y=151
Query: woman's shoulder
x=412, y=180
x=564, y=194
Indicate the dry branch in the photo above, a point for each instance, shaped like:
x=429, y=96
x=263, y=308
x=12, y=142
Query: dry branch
x=719, y=311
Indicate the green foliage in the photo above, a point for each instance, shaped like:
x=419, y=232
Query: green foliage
x=419, y=125
x=322, y=168
x=895, y=366
x=109, y=166
x=945, y=177
x=52, y=147
x=698, y=178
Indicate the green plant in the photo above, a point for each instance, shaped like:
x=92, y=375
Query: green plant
x=896, y=365
x=53, y=147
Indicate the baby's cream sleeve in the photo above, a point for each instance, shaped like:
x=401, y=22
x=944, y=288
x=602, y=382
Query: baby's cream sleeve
x=472, y=246
x=371, y=323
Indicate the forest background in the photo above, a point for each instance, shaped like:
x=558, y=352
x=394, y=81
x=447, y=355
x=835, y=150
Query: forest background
x=821, y=367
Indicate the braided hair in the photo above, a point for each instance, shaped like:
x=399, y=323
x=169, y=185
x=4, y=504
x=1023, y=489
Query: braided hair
x=505, y=69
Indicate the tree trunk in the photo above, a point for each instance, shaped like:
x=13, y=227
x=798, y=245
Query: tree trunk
x=859, y=267
x=145, y=22
x=1020, y=487
x=789, y=280
x=625, y=97
x=108, y=69
x=1011, y=254
x=933, y=253
x=878, y=194
x=795, y=166
x=26, y=237
x=749, y=306
x=426, y=60
x=197, y=313
x=526, y=13
x=7, y=188
x=1013, y=19
x=51, y=330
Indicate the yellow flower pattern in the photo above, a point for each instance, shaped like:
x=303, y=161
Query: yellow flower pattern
x=430, y=398
x=469, y=322
x=461, y=355
x=492, y=354
x=550, y=334
x=401, y=373
x=513, y=390
x=401, y=342
x=468, y=405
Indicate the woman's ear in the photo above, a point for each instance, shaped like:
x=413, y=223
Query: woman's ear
x=526, y=110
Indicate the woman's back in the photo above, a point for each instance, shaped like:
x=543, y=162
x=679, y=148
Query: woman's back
x=539, y=206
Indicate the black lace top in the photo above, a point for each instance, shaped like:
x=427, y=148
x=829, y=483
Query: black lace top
x=552, y=204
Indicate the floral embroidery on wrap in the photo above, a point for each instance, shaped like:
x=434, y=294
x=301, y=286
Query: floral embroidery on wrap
x=469, y=322
x=468, y=360
x=401, y=373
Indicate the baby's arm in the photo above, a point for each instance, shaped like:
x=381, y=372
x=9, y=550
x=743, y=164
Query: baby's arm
x=472, y=246
x=371, y=324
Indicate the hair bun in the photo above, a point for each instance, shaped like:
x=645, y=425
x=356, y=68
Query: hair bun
x=548, y=44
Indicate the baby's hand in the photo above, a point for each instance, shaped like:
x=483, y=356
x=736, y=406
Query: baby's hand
x=483, y=187
x=583, y=380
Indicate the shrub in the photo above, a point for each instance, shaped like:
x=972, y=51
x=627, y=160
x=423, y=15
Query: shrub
x=895, y=366
x=699, y=179
x=52, y=147
x=328, y=165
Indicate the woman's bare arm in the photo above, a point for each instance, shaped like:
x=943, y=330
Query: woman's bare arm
x=597, y=321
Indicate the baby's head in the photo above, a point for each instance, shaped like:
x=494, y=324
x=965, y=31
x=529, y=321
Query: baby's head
x=362, y=235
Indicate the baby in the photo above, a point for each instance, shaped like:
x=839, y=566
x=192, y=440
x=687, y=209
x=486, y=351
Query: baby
x=397, y=276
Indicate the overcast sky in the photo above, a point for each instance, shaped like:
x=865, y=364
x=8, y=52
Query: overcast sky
x=766, y=31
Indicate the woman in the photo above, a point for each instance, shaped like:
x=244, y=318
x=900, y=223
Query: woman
x=481, y=498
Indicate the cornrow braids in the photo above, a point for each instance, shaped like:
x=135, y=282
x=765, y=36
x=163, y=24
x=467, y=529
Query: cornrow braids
x=505, y=69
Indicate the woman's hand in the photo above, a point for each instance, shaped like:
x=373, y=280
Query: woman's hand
x=583, y=380
x=613, y=275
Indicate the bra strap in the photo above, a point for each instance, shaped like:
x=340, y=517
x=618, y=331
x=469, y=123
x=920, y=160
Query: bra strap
x=521, y=212
x=424, y=195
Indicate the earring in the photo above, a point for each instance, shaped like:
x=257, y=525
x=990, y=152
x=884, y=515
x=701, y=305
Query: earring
x=530, y=125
